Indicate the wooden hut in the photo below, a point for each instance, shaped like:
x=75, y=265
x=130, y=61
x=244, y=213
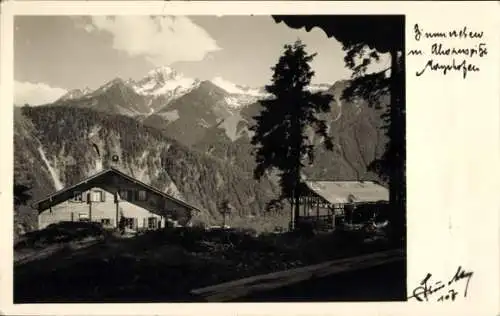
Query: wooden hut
x=326, y=203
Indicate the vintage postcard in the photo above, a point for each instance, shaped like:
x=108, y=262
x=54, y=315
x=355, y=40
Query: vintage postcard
x=187, y=157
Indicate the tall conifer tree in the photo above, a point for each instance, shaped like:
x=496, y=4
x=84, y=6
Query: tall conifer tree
x=281, y=138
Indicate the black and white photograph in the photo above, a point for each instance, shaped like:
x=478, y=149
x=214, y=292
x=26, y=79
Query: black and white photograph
x=264, y=157
x=209, y=158
x=249, y=152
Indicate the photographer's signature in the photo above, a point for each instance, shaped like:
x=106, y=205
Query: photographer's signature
x=430, y=290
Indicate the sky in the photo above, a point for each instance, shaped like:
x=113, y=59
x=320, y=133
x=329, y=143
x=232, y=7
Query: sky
x=54, y=54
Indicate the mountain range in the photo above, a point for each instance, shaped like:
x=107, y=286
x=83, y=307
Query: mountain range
x=157, y=89
x=186, y=136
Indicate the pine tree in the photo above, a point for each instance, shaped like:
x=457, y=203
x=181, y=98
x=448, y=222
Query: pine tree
x=364, y=38
x=280, y=130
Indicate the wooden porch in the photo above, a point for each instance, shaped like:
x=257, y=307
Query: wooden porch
x=317, y=212
x=326, y=205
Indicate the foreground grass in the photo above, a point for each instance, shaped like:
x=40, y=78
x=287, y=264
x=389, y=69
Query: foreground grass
x=165, y=265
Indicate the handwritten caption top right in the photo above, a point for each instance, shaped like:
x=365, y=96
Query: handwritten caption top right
x=452, y=51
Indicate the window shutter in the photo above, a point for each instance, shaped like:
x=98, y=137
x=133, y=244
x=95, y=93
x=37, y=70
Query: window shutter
x=103, y=196
x=135, y=222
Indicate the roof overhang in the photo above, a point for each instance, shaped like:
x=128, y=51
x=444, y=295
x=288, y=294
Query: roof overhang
x=100, y=180
x=349, y=192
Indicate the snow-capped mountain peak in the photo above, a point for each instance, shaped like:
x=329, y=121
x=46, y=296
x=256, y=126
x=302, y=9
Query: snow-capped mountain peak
x=105, y=87
x=164, y=81
x=239, y=95
x=233, y=88
x=86, y=90
x=75, y=94
x=163, y=73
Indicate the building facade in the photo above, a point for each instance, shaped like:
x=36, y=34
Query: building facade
x=111, y=197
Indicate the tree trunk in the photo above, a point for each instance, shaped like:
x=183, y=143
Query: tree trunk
x=297, y=204
x=397, y=148
x=296, y=190
x=292, y=217
x=298, y=146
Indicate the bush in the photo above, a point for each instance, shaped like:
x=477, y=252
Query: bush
x=247, y=231
x=60, y=233
x=187, y=237
x=305, y=228
x=198, y=224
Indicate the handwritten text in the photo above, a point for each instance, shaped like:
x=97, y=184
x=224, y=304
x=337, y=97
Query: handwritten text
x=439, y=291
x=456, y=50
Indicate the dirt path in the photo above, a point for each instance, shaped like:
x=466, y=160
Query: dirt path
x=261, y=283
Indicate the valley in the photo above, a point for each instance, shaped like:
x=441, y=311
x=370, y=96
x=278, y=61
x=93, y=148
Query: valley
x=187, y=137
x=208, y=158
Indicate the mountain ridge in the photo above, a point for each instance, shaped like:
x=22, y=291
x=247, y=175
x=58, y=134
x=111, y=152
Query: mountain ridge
x=143, y=153
x=195, y=145
x=159, y=87
x=355, y=126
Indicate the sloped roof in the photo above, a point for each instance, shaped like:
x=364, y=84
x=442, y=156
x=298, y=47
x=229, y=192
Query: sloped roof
x=66, y=193
x=349, y=191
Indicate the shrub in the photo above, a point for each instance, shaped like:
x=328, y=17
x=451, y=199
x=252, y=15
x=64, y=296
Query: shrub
x=248, y=231
x=198, y=224
x=60, y=233
x=305, y=228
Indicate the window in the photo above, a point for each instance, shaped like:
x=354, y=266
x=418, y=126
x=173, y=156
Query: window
x=129, y=222
x=83, y=217
x=141, y=195
x=78, y=197
x=152, y=222
x=124, y=195
x=97, y=196
x=106, y=221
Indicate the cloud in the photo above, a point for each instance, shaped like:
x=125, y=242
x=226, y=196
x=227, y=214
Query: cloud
x=162, y=40
x=329, y=63
x=35, y=93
